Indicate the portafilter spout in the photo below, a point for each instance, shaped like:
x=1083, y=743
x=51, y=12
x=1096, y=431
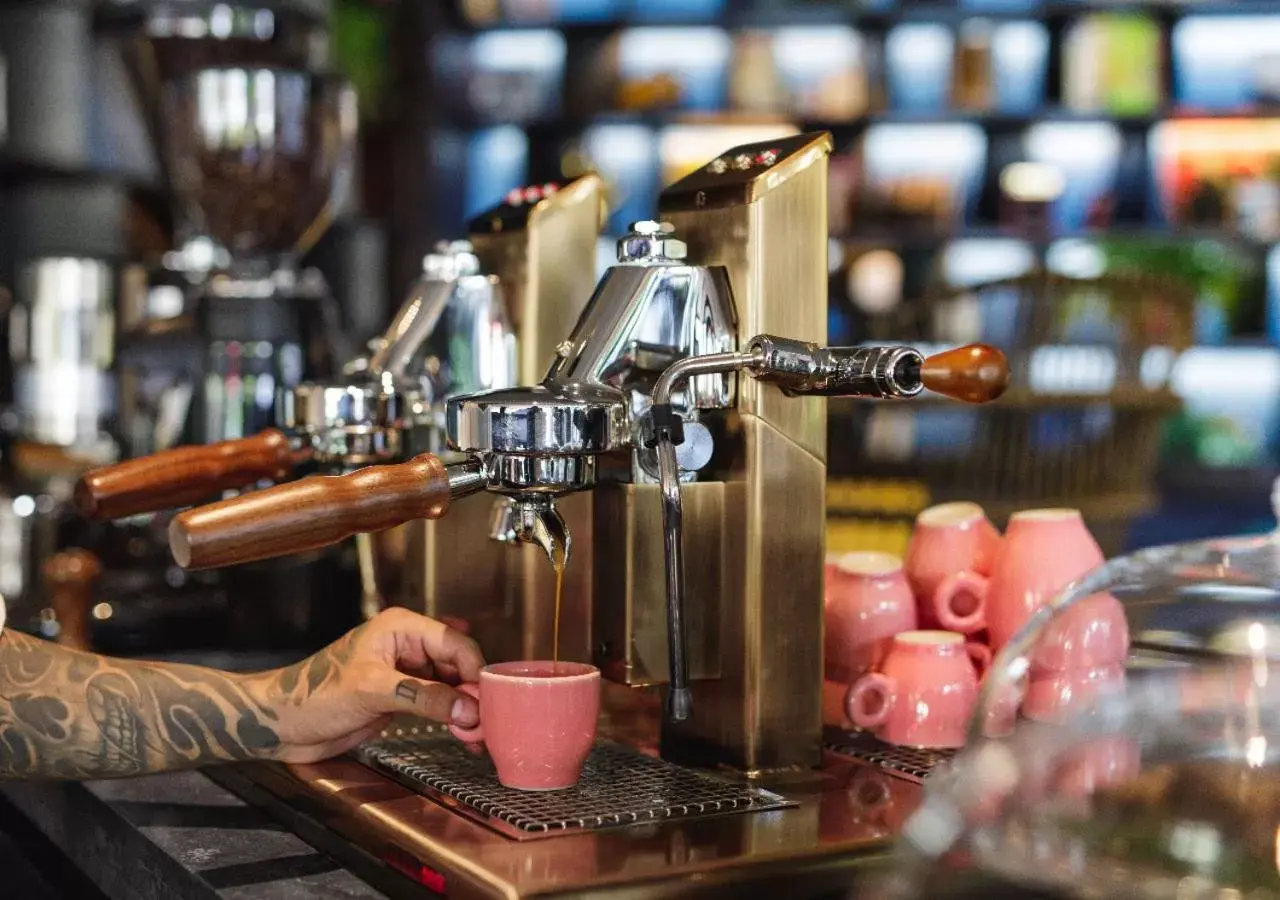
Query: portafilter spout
x=975, y=374
x=536, y=520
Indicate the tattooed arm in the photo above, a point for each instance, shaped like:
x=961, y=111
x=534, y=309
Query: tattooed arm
x=69, y=715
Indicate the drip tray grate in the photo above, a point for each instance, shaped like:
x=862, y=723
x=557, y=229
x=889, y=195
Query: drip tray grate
x=911, y=763
x=619, y=787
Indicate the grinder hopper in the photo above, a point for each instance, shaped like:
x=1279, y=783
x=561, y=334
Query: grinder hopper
x=254, y=136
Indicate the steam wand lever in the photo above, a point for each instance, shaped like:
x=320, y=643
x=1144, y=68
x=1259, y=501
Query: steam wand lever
x=975, y=374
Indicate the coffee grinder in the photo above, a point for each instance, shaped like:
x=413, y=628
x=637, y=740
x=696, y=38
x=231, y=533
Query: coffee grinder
x=255, y=138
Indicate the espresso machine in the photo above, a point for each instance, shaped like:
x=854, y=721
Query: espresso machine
x=687, y=406
x=481, y=308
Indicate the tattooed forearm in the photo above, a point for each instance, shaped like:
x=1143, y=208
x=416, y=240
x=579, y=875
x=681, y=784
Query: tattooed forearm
x=66, y=714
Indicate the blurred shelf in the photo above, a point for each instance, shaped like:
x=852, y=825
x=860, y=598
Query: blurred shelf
x=996, y=122
x=929, y=237
x=840, y=408
x=907, y=11
x=1193, y=483
x=1119, y=505
x=150, y=197
x=14, y=172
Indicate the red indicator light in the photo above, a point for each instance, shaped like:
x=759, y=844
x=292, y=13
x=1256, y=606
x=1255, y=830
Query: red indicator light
x=532, y=194
x=423, y=874
x=515, y=198
x=549, y=188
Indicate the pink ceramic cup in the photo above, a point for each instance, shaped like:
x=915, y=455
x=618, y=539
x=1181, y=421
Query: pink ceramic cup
x=868, y=602
x=948, y=539
x=924, y=694
x=537, y=720
x=1052, y=696
x=1043, y=551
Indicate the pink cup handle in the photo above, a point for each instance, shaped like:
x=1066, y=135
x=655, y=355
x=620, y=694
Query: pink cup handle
x=866, y=688
x=944, y=599
x=981, y=656
x=469, y=735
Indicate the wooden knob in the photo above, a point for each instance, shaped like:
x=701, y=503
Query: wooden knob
x=309, y=514
x=978, y=373
x=183, y=476
x=70, y=578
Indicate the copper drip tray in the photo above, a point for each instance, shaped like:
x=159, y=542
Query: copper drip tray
x=619, y=787
x=906, y=762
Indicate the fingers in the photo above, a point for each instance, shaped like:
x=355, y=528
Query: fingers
x=389, y=691
x=414, y=641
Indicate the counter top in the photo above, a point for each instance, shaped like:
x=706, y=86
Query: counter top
x=174, y=837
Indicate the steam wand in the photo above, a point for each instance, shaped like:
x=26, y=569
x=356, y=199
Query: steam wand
x=974, y=374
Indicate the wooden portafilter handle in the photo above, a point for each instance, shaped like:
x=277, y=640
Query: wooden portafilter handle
x=183, y=476
x=977, y=373
x=70, y=578
x=309, y=514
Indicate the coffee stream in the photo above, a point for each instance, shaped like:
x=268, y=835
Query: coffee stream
x=557, y=562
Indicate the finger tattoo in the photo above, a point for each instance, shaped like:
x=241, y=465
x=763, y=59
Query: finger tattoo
x=407, y=690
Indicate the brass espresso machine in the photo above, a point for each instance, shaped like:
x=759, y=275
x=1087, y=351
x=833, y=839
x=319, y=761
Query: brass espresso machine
x=686, y=404
x=481, y=308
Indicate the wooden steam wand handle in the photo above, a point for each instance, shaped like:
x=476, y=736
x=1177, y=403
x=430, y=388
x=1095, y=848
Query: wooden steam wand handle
x=183, y=476
x=309, y=514
x=977, y=373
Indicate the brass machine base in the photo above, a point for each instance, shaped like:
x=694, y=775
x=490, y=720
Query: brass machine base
x=413, y=845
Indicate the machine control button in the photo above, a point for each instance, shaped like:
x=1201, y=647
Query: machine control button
x=743, y=161
x=718, y=167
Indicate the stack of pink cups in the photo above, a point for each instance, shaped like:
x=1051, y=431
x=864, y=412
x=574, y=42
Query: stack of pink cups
x=907, y=640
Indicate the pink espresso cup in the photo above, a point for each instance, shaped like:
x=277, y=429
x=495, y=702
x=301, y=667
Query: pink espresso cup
x=924, y=694
x=947, y=539
x=1052, y=696
x=537, y=720
x=868, y=601
x=1043, y=551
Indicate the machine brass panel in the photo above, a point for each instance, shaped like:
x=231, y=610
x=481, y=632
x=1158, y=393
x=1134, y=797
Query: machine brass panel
x=501, y=591
x=777, y=263
x=453, y=570
x=545, y=256
x=551, y=263
x=765, y=710
x=630, y=585
x=723, y=182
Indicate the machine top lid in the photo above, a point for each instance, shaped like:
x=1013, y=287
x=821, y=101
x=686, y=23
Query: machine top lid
x=524, y=205
x=746, y=173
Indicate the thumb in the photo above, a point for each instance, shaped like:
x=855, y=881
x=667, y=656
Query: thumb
x=394, y=692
